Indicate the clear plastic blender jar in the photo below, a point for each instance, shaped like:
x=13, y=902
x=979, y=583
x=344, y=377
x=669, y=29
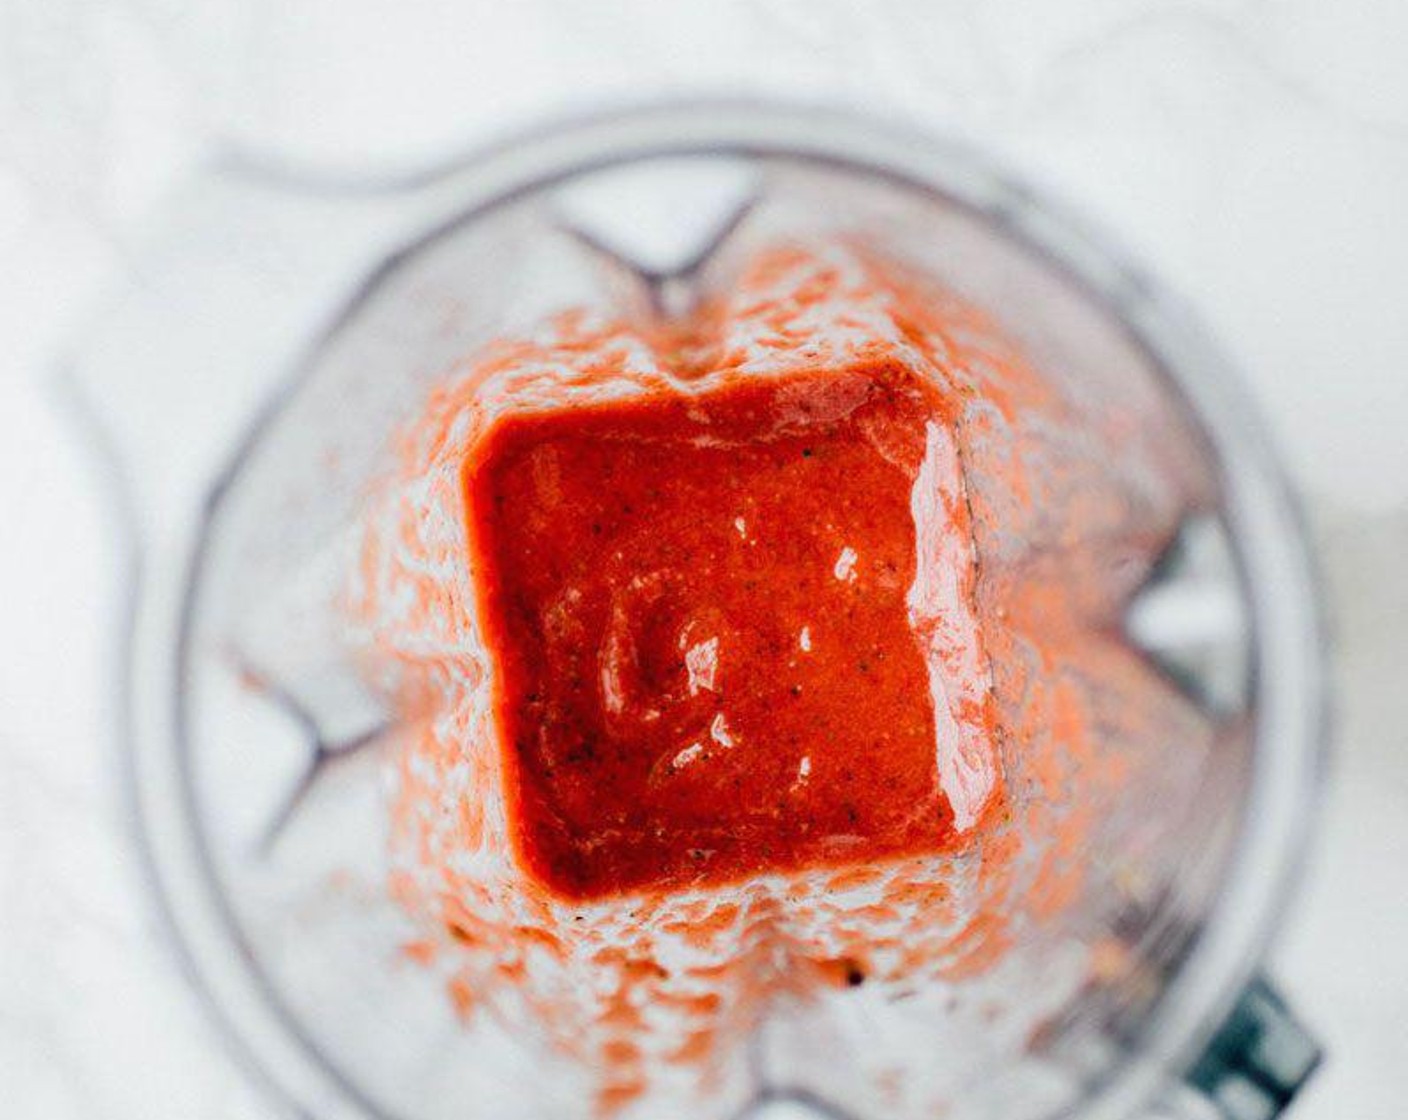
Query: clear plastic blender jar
x=249, y=387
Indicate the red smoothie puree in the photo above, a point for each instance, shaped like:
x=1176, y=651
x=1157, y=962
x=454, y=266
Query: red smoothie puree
x=696, y=605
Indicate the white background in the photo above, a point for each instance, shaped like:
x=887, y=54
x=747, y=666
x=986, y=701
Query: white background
x=1254, y=152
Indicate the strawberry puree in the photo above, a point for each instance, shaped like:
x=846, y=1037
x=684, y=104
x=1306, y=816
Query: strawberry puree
x=726, y=628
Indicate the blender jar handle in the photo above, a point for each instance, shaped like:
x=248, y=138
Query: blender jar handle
x=1258, y=1060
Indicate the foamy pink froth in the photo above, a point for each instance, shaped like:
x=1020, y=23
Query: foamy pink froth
x=652, y=995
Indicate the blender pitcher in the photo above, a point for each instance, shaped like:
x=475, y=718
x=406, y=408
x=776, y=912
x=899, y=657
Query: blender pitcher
x=1093, y=953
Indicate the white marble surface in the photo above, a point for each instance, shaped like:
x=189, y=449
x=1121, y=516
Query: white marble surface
x=1255, y=152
